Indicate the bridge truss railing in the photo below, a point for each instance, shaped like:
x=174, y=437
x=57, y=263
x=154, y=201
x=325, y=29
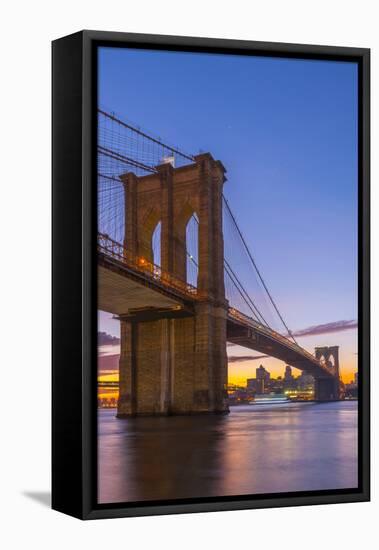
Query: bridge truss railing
x=123, y=146
x=238, y=316
x=117, y=251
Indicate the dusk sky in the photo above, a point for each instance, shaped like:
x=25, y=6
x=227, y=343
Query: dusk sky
x=286, y=131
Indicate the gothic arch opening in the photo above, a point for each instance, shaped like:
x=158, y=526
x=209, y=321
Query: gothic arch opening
x=149, y=236
x=192, y=250
x=156, y=244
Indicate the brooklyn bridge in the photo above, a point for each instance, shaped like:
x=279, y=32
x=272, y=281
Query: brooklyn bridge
x=175, y=268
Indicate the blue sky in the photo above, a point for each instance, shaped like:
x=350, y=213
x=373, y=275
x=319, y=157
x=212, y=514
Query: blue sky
x=286, y=130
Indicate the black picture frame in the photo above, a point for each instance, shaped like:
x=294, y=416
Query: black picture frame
x=74, y=333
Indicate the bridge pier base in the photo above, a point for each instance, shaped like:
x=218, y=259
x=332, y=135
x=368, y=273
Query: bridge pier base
x=177, y=365
x=327, y=389
x=174, y=366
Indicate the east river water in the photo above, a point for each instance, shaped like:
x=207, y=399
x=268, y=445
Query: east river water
x=254, y=449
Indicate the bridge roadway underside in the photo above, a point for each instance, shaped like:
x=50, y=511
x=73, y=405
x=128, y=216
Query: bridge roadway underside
x=118, y=293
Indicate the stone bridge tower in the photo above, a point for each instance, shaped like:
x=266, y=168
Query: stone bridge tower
x=328, y=388
x=176, y=365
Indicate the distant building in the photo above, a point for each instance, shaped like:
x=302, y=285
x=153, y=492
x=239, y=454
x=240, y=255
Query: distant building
x=289, y=379
x=237, y=395
x=251, y=385
x=262, y=373
x=288, y=373
x=276, y=385
x=262, y=379
x=260, y=384
x=305, y=382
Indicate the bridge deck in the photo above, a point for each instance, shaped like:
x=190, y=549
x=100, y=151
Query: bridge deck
x=247, y=333
x=120, y=290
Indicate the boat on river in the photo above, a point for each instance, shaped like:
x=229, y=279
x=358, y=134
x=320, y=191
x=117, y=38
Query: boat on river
x=270, y=399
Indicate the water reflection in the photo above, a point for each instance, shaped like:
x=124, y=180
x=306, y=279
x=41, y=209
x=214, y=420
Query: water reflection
x=265, y=449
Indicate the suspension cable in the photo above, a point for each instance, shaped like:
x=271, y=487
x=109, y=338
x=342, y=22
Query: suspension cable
x=244, y=294
x=143, y=134
x=257, y=270
x=240, y=288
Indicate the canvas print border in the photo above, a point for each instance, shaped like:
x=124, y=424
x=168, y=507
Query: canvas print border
x=79, y=79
